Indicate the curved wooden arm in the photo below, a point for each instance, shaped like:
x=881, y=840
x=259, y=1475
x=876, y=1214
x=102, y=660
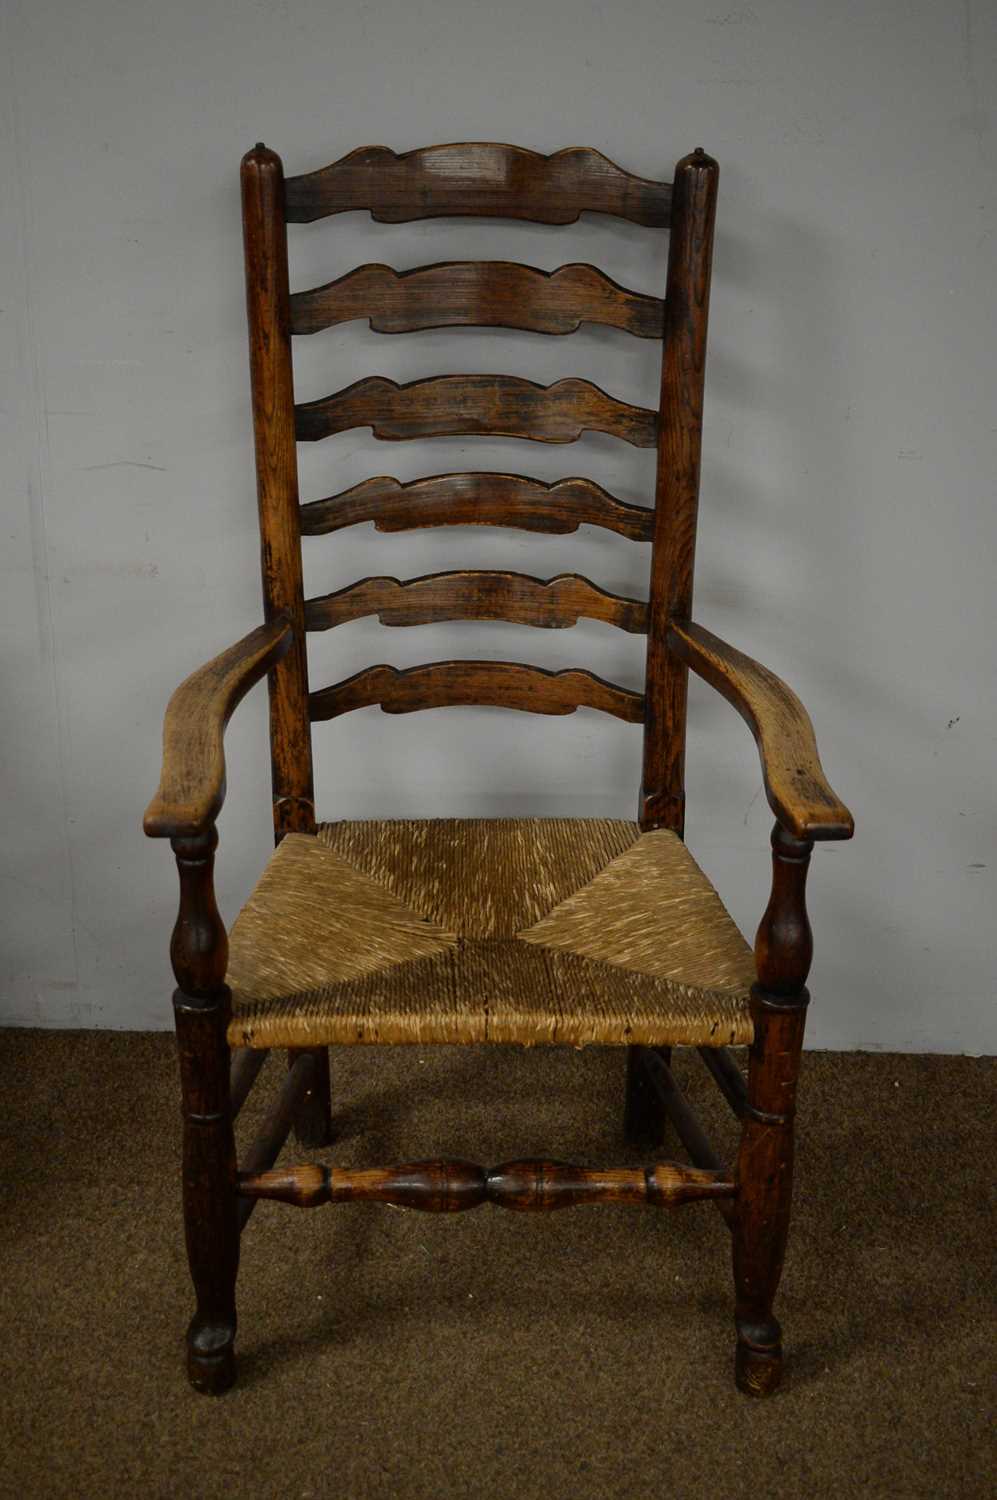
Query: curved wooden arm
x=795, y=783
x=192, y=781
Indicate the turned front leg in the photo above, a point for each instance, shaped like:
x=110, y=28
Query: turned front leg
x=202, y=1007
x=783, y=950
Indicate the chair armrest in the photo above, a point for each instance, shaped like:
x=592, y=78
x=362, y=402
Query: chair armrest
x=795, y=784
x=192, y=781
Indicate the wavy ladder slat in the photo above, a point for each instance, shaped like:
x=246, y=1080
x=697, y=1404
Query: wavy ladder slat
x=482, y=405
x=477, y=293
x=478, y=499
x=477, y=594
x=490, y=684
x=477, y=178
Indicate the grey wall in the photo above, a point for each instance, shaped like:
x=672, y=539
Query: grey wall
x=847, y=534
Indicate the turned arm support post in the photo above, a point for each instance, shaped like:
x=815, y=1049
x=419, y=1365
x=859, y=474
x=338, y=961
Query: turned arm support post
x=199, y=945
x=784, y=944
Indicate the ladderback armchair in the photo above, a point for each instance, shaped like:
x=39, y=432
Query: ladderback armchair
x=547, y=930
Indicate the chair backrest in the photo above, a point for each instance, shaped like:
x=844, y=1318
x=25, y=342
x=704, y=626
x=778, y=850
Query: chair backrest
x=506, y=182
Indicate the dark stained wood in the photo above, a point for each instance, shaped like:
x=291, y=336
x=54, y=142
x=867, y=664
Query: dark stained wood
x=478, y=499
x=430, y=1186
x=479, y=179
x=531, y=1186
x=192, y=781
x=680, y=425
x=494, y=684
x=555, y=603
x=202, y=1007
x=276, y=1128
x=644, y=1121
x=246, y=1065
x=728, y=1076
x=476, y=405
x=764, y=1171
x=490, y=180
x=784, y=944
x=536, y=1186
x=687, y=1127
x=265, y=244
x=797, y=789
x=477, y=293
x=677, y=1109
x=199, y=944
x=313, y=1115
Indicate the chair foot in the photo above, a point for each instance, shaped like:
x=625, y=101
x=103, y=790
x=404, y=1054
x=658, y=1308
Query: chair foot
x=644, y=1120
x=757, y=1372
x=211, y=1358
x=758, y=1361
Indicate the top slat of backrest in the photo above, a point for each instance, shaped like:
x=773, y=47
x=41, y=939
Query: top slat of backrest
x=477, y=179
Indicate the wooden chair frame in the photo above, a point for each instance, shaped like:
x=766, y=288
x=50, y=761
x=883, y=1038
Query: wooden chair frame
x=218, y=1195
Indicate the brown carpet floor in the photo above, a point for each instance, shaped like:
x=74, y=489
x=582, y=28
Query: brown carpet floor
x=581, y=1354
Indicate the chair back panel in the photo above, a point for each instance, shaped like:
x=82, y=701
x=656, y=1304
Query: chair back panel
x=502, y=181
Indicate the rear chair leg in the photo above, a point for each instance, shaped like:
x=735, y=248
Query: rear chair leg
x=313, y=1117
x=764, y=1174
x=644, y=1119
x=202, y=1007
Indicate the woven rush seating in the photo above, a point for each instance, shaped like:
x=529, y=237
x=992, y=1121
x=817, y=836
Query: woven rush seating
x=487, y=930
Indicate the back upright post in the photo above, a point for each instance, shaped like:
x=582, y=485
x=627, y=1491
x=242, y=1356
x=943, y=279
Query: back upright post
x=264, y=231
x=687, y=299
x=676, y=502
x=265, y=239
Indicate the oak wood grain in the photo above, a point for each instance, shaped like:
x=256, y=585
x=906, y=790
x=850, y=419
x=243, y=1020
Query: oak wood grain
x=795, y=785
x=475, y=594
x=478, y=499
x=482, y=405
x=529, y=1186
x=477, y=293
x=676, y=502
x=192, y=782
x=478, y=178
x=265, y=253
x=494, y=684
